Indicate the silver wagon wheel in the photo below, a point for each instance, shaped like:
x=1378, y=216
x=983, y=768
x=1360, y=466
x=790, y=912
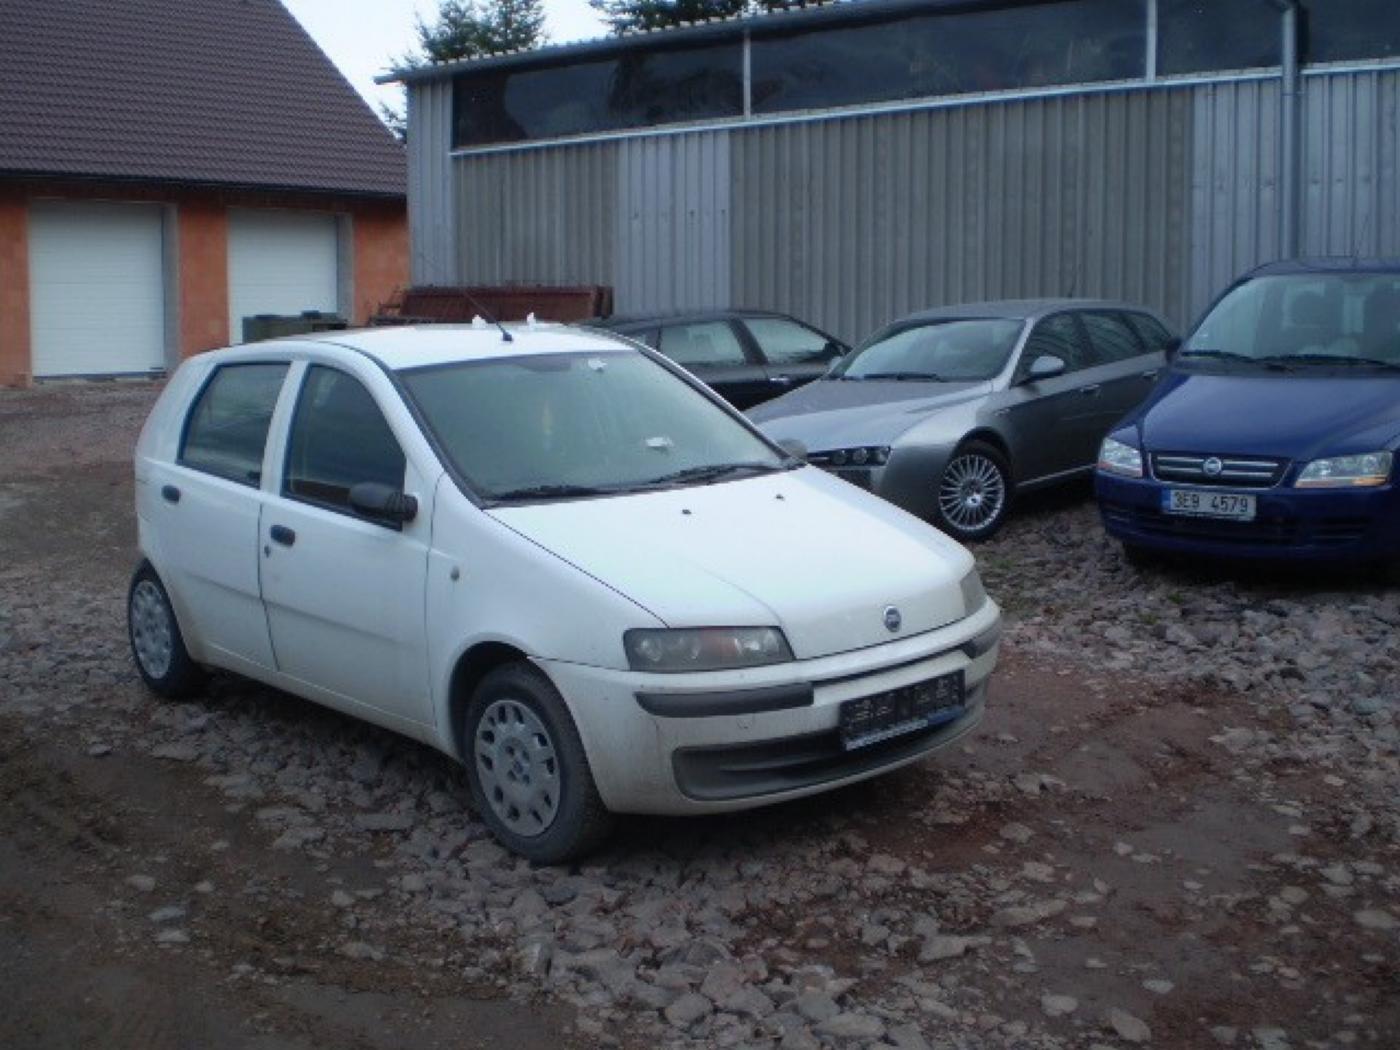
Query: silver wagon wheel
x=518, y=767
x=972, y=492
x=152, y=633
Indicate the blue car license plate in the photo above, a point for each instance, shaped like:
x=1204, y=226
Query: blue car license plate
x=1229, y=506
x=872, y=719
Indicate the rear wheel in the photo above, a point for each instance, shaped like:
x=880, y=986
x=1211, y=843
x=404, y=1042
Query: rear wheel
x=528, y=772
x=156, y=643
x=974, y=492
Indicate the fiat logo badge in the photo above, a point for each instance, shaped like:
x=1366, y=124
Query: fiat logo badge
x=893, y=619
x=1213, y=466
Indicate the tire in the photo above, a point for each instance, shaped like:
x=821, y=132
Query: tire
x=973, y=492
x=529, y=776
x=157, y=646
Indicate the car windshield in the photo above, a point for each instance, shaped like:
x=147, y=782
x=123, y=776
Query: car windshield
x=1296, y=322
x=949, y=351
x=568, y=425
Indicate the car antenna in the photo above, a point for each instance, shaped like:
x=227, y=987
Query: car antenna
x=490, y=317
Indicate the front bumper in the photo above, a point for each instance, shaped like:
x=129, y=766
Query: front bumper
x=1312, y=524
x=733, y=740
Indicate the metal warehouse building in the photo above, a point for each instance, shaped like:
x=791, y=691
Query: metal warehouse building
x=853, y=162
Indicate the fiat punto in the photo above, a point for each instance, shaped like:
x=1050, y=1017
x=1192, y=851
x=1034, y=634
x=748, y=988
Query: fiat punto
x=554, y=556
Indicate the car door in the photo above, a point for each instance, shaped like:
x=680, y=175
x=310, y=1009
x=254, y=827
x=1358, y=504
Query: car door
x=714, y=353
x=1128, y=366
x=203, y=514
x=793, y=353
x=1052, y=421
x=345, y=593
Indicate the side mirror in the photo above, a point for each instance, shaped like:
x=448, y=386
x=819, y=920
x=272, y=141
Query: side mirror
x=794, y=448
x=1046, y=366
x=376, y=500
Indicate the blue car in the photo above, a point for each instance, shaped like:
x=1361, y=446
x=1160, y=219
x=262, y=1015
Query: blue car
x=1274, y=432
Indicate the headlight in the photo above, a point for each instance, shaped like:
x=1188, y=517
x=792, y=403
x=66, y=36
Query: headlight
x=1117, y=458
x=1373, y=468
x=704, y=648
x=864, y=456
x=974, y=594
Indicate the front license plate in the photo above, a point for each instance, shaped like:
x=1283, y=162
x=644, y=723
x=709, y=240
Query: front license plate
x=1229, y=505
x=872, y=719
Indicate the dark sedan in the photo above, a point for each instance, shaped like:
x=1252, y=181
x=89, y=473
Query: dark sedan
x=746, y=356
x=950, y=412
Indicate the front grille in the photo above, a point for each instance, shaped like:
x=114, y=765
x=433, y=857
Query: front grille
x=1247, y=472
x=768, y=767
x=1264, y=531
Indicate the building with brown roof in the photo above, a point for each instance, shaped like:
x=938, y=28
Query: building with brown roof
x=170, y=167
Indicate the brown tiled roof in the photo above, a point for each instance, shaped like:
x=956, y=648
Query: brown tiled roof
x=231, y=92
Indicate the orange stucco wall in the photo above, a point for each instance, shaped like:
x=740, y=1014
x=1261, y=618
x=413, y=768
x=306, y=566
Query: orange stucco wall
x=379, y=256
x=14, y=289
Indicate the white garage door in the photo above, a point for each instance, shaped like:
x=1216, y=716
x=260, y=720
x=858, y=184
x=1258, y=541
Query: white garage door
x=96, y=288
x=280, y=262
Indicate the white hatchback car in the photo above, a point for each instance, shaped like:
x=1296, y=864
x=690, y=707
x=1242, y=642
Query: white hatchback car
x=555, y=556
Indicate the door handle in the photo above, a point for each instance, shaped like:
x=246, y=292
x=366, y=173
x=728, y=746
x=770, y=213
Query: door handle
x=1090, y=390
x=283, y=535
x=170, y=494
x=781, y=380
x=1152, y=373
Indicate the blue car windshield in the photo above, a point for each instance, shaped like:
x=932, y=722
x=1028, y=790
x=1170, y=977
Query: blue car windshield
x=1295, y=322
x=950, y=351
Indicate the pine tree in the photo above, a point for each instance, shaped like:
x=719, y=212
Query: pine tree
x=626, y=15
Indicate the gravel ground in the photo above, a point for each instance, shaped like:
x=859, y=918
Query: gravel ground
x=1178, y=827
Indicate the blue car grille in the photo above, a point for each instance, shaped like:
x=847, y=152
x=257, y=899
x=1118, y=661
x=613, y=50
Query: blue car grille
x=1240, y=472
x=1274, y=532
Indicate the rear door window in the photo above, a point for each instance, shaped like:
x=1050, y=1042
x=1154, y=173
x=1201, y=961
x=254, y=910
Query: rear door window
x=339, y=439
x=784, y=342
x=709, y=344
x=1111, y=337
x=226, y=431
x=1154, y=334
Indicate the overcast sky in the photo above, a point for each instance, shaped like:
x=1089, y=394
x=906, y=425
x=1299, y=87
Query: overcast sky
x=363, y=37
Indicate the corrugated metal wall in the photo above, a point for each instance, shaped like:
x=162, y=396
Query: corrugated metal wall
x=432, y=227
x=673, y=249
x=1159, y=194
x=852, y=223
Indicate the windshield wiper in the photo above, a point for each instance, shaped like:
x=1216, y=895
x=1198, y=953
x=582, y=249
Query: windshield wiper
x=901, y=377
x=1230, y=355
x=553, y=492
x=1332, y=359
x=709, y=472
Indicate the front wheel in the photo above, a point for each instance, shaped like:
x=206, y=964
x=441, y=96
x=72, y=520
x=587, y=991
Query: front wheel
x=529, y=776
x=974, y=492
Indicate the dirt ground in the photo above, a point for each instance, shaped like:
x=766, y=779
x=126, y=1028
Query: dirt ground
x=1106, y=846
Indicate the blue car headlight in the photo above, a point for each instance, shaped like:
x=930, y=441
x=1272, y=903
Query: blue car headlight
x=1116, y=457
x=1345, y=472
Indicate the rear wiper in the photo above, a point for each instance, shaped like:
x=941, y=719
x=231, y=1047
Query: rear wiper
x=901, y=377
x=1333, y=359
x=709, y=472
x=553, y=492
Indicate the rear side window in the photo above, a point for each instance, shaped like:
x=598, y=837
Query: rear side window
x=1152, y=331
x=785, y=342
x=711, y=344
x=339, y=439
x=1057, y=336
x=226, y=431
x=1111, y=337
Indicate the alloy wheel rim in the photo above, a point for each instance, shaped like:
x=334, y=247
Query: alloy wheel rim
x=972, y=492
x=518, y=767
x=152, y=634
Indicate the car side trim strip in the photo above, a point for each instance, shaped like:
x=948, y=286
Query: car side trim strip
x=713, y=703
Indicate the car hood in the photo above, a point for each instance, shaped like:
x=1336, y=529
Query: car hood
x=1283, y=416
x=844, y=414
x=800, y=550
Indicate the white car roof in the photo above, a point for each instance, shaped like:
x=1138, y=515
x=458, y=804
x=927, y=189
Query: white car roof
x=417, y=346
